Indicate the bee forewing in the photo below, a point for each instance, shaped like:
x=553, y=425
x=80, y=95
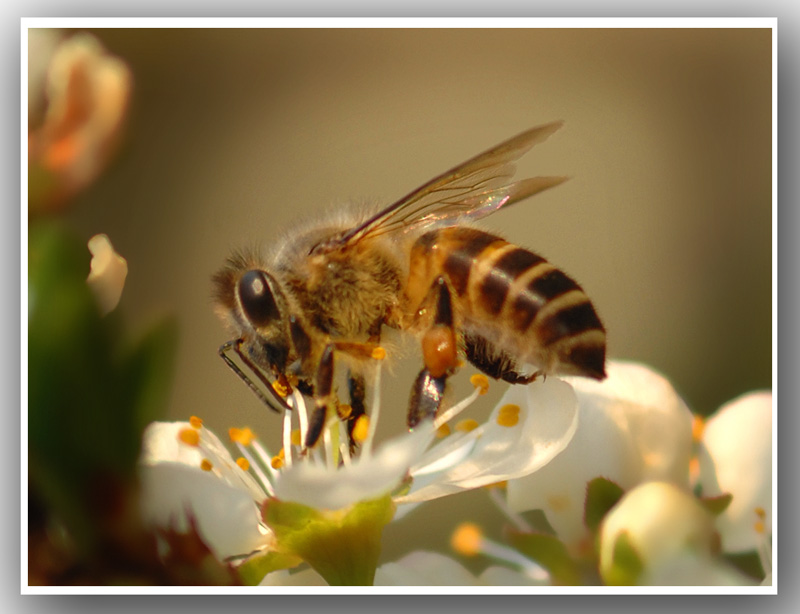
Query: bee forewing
x=473, y=189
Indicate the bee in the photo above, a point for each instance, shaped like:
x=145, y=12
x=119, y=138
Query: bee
x=419, y=265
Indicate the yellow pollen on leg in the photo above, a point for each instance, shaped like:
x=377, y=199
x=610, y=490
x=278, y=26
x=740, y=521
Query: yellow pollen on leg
x=508, y=415
x=481, y=382
x=243, y=463
x=189, y=436
x=206, y=465
x=467, y=539
x=243, y=436
x=467, y=425
x=280, y=388
x=344, y=411
x=195, y=422
x=361, y=429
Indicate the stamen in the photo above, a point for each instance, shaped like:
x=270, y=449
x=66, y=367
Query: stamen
x=456, y=409
x=299, y=404
x=297, y=438
x=278, y=460
x=480, y=381
x=206, y=465
x=195, y=422
x=361, y=428
x=376, y=408
x=467, y=539
x=264, y=457
x=379, y=353
x=500, y=501
x=189, y=436
x=328, y=443
x=261, y=455
x=287, y=438
x=243, y=463
x=243, y=436
x=698, y=426
x=508, y=415
x=467, y=425
x=443, y=431
x=344, y=447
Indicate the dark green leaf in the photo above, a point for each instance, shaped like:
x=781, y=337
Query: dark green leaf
x=601, y=496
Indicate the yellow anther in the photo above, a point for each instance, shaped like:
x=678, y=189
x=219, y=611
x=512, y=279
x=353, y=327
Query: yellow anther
x=195, y=422
x=280, y=388
x=276, y=462
x=480, y=381
x=759, y=527
x=189, y=436
x=296, y=438
x=467, y=539
x=443, y=431
x=243, y=463
x=508, y=415
x=467, y=425
x=243, y=436
x=206, y=465
x=698, y=426
x=344, y=411
x=361, y=429
x=499, y=485
x=379, y=353
x=761, y=512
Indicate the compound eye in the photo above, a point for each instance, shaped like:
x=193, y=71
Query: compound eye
x=256, y=298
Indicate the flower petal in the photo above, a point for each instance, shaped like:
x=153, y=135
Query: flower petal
x=632, y=427
x=547, y=422
x=107, y=274
x=736, y=458
x=422, y=568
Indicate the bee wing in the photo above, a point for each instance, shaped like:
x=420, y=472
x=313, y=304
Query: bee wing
x=469, y=191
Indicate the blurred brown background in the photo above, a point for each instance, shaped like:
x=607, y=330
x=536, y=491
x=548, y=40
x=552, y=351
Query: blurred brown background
x=666, y=221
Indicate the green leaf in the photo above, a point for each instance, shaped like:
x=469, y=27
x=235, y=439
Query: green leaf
x=253, y=570
x=717, y=505
x=550, y=553
x=601, y=496
x=343, y=546
x=626, y=565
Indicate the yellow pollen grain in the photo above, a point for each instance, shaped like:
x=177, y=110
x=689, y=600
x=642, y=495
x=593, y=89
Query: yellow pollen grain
x=508, y=415
x=443, y=431
x=280, y=389
x=480, y=381
x=277, y=461
x=195, y=422
x=361, y=429
x=189, y=436
x=467, y=539
x=296, y=439
x=467, y=425
x=698, y=426
x=206, y=465
x=379, y=353
x=243, y=463
x=243, y=436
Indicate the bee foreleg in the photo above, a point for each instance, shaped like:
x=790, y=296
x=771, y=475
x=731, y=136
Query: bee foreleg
x=440, y=354
x=323, y=397
x=275, y=402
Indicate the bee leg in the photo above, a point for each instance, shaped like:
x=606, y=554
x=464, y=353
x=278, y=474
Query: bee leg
x=323, y=397
x=357, y=387
x=494, y=362
x=440, y=354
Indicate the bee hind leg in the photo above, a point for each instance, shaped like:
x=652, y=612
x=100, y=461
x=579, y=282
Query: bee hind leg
x=440, y=354
x=494, y=362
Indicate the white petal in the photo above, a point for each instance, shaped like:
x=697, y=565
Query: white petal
x=661, y=521
x=365, y=478
x=692, y=569
x=632, y=427
x=503, y=576
x=228, y=520
x=736, y=458
x=547, y=421
x=424, y=569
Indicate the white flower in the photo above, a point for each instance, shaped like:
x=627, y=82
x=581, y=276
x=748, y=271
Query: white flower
x=736, y=458
x=186, y=472
x=661, y=521
x=107, y=273
x=632, y=427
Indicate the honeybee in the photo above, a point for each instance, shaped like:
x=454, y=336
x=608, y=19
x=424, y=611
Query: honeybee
x=419, y=265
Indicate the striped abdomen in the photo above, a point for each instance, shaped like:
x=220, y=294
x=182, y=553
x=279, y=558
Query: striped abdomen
x=513, y=298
